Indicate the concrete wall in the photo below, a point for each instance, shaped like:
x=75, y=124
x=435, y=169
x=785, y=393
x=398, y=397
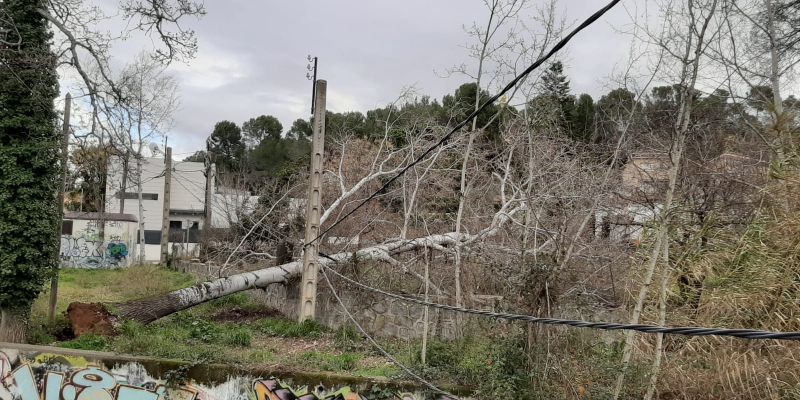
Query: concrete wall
x=48, y=373
x=84, y=249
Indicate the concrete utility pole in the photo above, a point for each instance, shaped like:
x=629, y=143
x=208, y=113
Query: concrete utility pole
x=63, y=188
x=165, y=210
x=308, y=288
x=208, y=202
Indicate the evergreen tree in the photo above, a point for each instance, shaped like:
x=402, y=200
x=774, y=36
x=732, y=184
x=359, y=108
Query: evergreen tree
x=555, y=89
x=29, y=163
x=301, y=129
x=459, y=105
x=262, y=127
x=582, y=119
x=225, y=145
x=554, y=83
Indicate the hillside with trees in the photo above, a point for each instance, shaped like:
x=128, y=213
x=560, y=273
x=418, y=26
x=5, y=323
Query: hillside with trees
x=670, y=199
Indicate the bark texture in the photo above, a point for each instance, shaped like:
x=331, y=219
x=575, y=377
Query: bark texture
x=13, y=326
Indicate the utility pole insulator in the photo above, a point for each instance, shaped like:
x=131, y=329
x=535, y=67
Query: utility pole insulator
x=308, y=285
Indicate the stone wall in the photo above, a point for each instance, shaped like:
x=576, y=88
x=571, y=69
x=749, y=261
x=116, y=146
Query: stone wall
x=378, y=315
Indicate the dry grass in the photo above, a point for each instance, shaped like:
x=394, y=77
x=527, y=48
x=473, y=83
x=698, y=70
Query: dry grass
x=751, y=280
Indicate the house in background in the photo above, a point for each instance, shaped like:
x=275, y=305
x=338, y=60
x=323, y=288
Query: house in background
x=645, y=177
x=637, y=200
x=186, y=208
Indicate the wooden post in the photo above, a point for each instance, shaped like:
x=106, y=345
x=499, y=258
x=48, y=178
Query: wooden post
x=165, y=209
x=308, y=285
x=51, y=313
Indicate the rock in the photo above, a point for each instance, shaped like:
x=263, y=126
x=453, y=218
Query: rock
x=379, y=308
x=91, y=318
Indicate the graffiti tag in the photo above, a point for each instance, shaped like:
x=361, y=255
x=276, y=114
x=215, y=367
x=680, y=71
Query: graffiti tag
x=83, y=252
x=45, y=376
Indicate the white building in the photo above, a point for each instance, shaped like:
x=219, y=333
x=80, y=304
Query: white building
x=187, y=203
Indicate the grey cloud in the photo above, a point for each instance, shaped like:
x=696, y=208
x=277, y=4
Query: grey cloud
x=368, y=50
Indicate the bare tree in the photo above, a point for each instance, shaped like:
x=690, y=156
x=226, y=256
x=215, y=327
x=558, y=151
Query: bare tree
x=759, y=52
x=687, y=29
x=145, y=113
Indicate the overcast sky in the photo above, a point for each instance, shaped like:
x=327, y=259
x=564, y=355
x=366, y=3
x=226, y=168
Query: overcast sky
x=252, y=56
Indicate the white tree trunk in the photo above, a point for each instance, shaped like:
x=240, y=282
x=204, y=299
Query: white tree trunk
x=150, y=309
x=690, y=64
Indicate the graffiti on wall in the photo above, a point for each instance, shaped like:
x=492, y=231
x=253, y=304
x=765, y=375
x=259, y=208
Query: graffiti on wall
x=45, y=376
x=81, y=251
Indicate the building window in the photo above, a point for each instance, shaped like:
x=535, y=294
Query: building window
x=150, y=237
x=175, y=224
x=66, y=227
x=135, y=196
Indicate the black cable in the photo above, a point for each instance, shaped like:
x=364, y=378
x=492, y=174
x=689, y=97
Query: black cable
x=378, y=346
x=753, y=334
x=558, y=46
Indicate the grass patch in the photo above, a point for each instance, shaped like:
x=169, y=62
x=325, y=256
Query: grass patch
x=110, y=285
x=261, y=357
x=330, y=362
x=378, y=371
x=240, y=300
x=222, y=330
x=86, y=342
x=289, y=329
x=237, y=337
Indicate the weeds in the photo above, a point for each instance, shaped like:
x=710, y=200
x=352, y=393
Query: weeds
x=290, y=329
x=86, y=342
x=331, y=362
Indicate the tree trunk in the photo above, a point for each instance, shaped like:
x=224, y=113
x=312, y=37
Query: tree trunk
x=13, y=326
x=462, y=199
x=150, y=309
x=690, y=65
x=783, y=143
x=666, y=273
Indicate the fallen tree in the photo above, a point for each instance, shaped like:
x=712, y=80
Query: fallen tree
x=150, y=309
x=500, y=213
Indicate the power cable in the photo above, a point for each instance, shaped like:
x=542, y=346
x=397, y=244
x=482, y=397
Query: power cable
x=753, y=334
x=378, y=346
x=558, y=46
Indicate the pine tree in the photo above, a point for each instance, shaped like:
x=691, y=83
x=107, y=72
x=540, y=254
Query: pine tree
x=555, y=88
x=582, y=120
x=554, y=83
x=29, y=167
